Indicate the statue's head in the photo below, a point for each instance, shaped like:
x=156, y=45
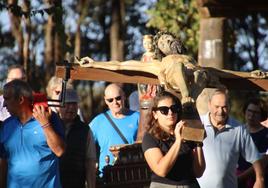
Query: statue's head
x=167, y=44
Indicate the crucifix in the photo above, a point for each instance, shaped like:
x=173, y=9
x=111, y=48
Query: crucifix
x=188, y=87
x=176, y=72
x=124, y=72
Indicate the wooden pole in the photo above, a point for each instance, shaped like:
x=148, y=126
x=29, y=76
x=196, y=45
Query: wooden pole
x=212, y=43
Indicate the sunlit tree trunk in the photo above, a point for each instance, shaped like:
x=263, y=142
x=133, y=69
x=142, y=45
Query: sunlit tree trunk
x=106, y=31
x=82, y=9
x=49, y=45
x=17, y=30
x=117, y=30
x=77, y=42
x=60, y=36
x=27, y=39
x=256, y=36
x=54, y=38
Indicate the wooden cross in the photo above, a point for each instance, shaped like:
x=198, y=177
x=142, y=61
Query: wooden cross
x=233, y=80
x=117, y=73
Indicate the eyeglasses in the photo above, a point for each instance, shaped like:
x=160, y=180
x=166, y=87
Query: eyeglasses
x=165, y=109
x=110, y=100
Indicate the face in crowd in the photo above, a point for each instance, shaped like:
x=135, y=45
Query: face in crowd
x=253, y=114
x=69, y=112
x=56, y=92
x=255, y=111
x=219, y=108
x=17, y=94
x=114, y=98
x=15, y=73
x=167, y=113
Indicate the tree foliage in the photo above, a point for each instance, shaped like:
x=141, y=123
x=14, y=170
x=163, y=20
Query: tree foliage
x=179, y=17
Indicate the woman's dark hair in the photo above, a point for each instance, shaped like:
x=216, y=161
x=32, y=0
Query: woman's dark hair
x=153, y=125
x=258, y=102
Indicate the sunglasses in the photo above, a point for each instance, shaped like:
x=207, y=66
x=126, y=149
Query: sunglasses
x=165, y=109
x=110, y=100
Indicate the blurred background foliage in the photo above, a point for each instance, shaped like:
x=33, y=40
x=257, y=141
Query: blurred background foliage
x=40, y=34
x=179, y=17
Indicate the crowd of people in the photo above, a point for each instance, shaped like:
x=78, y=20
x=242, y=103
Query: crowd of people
x=54, y=147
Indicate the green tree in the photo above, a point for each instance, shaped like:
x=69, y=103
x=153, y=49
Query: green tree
x=179, y=17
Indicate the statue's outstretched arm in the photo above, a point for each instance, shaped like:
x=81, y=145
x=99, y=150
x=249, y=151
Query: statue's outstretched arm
x=259, y=74
x=153, y=67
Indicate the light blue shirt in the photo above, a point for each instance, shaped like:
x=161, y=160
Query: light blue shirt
x=105, y=135
x=221, y=152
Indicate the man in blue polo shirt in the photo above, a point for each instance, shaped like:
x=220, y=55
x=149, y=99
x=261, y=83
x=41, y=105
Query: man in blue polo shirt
x=30, y=139
x=226, y=139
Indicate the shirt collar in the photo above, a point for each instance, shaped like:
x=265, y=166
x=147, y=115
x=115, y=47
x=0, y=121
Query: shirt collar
x=207, y=123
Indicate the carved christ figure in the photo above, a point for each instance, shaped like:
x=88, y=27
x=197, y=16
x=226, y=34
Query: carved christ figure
x=174, y=70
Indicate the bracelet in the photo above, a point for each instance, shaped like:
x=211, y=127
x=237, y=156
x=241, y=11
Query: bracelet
x=45, y=125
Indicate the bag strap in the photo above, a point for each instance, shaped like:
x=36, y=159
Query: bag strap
x=116, y=128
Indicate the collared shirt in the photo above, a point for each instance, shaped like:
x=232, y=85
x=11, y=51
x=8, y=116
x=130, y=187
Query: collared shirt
x=4, y=114
x=31, y=162
x=221, y=152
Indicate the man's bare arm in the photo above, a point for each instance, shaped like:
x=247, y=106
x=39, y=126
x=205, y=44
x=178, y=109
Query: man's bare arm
x=153, y=67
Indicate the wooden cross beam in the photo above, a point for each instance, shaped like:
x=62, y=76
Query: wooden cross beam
x=233, y=80
x=228, y=8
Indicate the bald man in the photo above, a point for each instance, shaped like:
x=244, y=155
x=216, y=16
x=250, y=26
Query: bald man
x=105, y=135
